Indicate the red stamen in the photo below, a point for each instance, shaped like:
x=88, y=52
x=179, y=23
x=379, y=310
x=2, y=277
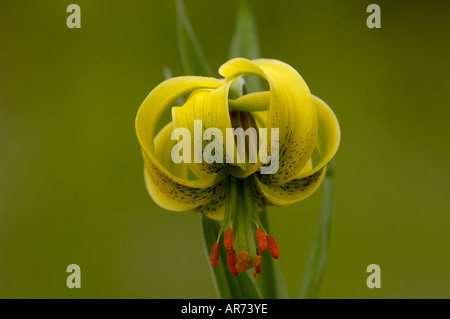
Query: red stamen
x=232, y=262
x=262, y=239
x=273, y=247
x=228, y=239
x=215, y=255
x=257, y=261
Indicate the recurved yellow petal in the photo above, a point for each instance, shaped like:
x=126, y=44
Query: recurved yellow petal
x=328, y=137
x=167, y=183
x=291, y=192
x=291, y=111
x=309, y=179
x=163, y=144
x=215, y=209
x=258, y=101
x=210, y=106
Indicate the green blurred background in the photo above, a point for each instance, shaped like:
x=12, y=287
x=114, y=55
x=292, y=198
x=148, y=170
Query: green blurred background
x=71, y=182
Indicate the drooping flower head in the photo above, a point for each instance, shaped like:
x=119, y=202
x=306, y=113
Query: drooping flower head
x=290, y=136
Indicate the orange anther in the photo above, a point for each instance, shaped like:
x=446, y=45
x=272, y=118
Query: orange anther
x=262, y=240
x=232, y=262
x=215, y=255
x=228, y=239
x=273, y=247
x=257, y=261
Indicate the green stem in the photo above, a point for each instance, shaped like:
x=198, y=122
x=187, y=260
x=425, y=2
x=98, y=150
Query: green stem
x=317, y=258
x=228, y=286
x=243, y=226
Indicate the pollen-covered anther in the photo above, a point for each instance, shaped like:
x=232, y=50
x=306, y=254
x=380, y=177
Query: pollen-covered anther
x=273, y=247
x=262, y=240
x=215, y=255
x=246, y=262
x=243, y=261
x=228, y=239
x=231, y=258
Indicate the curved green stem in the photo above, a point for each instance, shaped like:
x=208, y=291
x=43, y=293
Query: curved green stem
x=317, y=258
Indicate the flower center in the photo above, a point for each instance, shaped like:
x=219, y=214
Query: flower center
x=240, y=228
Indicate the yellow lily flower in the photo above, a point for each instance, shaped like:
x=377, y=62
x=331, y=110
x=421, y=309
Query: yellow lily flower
x=235, y=189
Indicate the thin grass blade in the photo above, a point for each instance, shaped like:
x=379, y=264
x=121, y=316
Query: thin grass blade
x=194, y=61
x=318, y=254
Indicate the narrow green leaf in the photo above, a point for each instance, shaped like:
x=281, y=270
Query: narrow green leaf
x=227, y=286
x=194, y=61
x=245, y=42
x=317, y=258
x=271, y=281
